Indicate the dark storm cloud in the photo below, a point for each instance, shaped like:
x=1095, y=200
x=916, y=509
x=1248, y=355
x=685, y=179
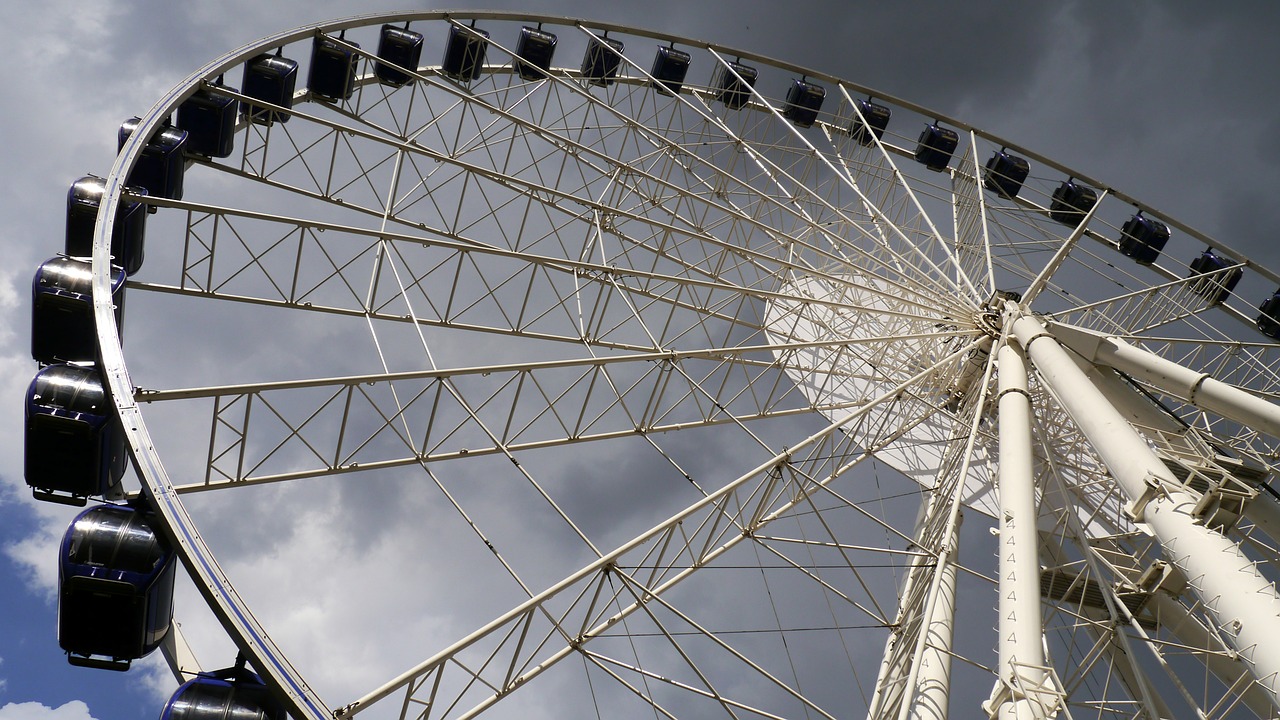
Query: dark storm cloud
x=988, y=49
x=617, y=492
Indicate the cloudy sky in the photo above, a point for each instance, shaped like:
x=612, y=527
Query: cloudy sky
x=1173, y=102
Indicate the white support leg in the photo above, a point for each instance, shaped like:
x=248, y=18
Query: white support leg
x=928, y=697
x=1198, y=388
x=933, y=681
x=1242, y=603
x=1021, y=642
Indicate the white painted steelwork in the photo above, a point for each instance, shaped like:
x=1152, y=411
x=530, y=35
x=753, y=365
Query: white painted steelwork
x=683, y=393
x=1197, y=387
x=933, y=683
x=1020, y=633
x=1243, y=603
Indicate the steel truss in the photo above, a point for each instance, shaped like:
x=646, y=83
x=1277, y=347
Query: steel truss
x=460, y=288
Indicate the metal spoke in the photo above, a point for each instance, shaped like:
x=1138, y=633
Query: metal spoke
x=623, y=349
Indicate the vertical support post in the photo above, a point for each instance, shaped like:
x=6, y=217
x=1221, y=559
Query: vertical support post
x=927, y=696
x=1021, y=643
x=933, y=681
x=1241, y=602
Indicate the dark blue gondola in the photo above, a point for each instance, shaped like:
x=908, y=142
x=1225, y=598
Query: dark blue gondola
x=115, y=588
x=1142, y=238
x=399, y=49
x=872, y=124
x=74, y=448
x=804, y=100
x=669, y=69
x=1005, y=173
x=1269, y=320
x=600, y=62
x=935, y=147
x=62, y=324
x=332, y=74
x=1215, y=282
x=534, y=51
x=231, y=694
x=1071, y=202
x=464, y=53
x=161, y=165
x=733, y=83
x=269, y=79
x=210, y=122
x=127, y=234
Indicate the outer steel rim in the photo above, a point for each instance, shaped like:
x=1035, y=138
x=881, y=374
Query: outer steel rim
x=219, y=594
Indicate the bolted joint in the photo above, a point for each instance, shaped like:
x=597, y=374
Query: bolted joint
x=989, y=321
x=1153, y=490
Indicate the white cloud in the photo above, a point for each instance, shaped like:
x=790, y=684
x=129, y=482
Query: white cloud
x=152, y=674
x=36, y=553
x=73, y=710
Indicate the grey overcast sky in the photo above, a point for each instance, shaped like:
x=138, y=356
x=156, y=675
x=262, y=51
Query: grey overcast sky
x=1173, y=102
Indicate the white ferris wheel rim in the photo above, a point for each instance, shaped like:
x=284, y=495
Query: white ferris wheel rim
x=852, y=401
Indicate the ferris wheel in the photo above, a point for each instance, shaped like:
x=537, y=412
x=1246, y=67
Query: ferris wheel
x=629, y=375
